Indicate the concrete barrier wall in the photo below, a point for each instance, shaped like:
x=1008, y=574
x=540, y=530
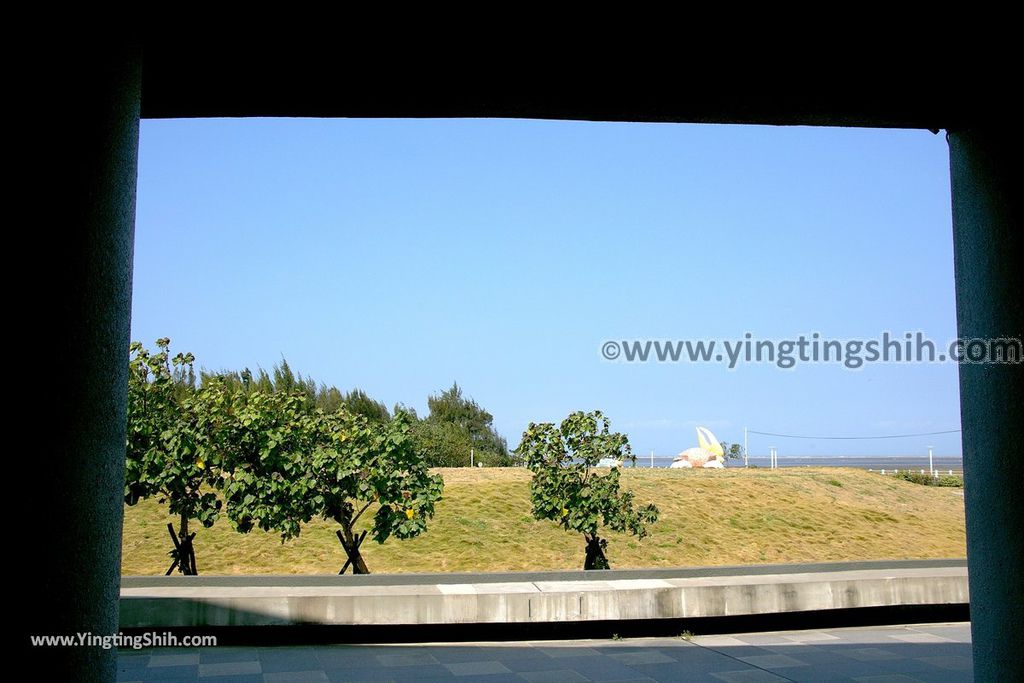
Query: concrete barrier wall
x=566, y=596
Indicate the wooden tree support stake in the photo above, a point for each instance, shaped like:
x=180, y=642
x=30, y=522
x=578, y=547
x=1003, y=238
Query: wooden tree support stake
x=184, y=553
x=352, y=551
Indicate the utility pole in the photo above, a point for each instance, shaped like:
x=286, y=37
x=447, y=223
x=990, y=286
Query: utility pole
x=931, y=468
x=471, y=457
x=746, y=462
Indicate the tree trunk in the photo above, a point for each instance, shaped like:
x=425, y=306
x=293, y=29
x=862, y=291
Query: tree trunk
x=595, y=552
x=184, y=554
x=351, y=545
x=188, y=561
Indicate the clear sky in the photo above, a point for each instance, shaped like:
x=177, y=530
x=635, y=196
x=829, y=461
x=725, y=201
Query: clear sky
x=400, y=256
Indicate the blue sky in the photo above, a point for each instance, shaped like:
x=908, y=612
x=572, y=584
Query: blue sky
x=400, y=256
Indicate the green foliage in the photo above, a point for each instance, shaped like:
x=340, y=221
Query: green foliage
x=926, y=479
x=278, y=459
x=359, y=403
x=408, y=411
x=169, y=454
x=282, y=379
x=456, y=426
x=168, y=449
x=364, y=463
x=915, y=478
x=265, y=438
x=733, y=451
x=565, y=487
x=287, y=461
x=443, y=444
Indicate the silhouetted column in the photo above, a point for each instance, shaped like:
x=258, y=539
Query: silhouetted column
x=987, y=255
x=70, y=549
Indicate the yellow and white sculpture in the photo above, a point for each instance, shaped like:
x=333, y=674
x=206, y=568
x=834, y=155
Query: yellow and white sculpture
x=709, y=454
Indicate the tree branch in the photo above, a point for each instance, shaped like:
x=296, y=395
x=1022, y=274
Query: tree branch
x=356, y=518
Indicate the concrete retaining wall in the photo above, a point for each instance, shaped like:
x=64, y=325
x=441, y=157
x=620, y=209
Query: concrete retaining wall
x=554, y=597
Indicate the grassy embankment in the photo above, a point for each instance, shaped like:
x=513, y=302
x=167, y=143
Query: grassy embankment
x=708, y=517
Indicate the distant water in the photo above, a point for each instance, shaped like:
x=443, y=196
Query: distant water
x=864, y=462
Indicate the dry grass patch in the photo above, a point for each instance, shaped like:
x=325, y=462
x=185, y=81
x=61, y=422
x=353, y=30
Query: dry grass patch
x=708, y=517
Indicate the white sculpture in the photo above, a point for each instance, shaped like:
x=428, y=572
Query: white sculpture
x=708, y=455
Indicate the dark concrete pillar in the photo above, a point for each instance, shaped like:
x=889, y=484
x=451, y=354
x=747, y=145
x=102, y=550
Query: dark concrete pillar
x=70, y=549
x=988, y=264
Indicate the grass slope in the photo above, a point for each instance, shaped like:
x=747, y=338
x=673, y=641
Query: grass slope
x=708, y=517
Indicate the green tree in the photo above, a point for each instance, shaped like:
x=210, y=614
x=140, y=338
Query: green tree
x=329, y=399
x=264, y=438
x=442, y=444
x=282, y=379
x=566, y=488
x=732, y=451
x=408, y=411
x=287, y=462
x=358, y=402
x=457, y=425
x=372, y=465
x=169, y=453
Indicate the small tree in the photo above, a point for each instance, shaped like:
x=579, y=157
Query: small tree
x=169, y=453
x=290, y=462
x=367, y=463
x=456, y=426
x=442, y=444
x=733, y=451
x=357, y=401
x=565, y=487
x=265, y=437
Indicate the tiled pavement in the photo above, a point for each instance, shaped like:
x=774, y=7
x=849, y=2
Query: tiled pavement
x=879, y=654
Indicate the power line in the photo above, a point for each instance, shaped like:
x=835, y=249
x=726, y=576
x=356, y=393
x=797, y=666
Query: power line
x=854, y=438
